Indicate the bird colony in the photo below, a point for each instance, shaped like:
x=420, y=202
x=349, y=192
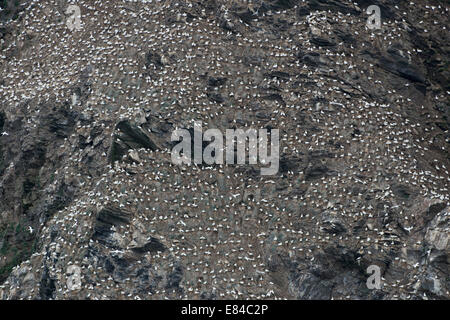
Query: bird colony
x=364, y=169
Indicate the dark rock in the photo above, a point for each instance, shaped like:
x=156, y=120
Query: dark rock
x=47, y=285
x=107, y=218
x=153, y=58
x=345, y=36
x=282, y=4
x=216, y=82
x=313, y=288
x=435, y=209
x=215, y=97
x=403, y=191
x=316, y=171
x=129, y=136
x=2, y=120
x=154, y=245
x=113, y=216
x=335, y=6
x=331, y=224
x=174, y=278
x=322, y=42
x=246, y=16
x=310, y=59
x=109, y=266
x=277, y=74
x=401, y=67
x=290, y=164
x=60, y=121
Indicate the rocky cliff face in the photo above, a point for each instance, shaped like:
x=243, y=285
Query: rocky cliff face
x=91, y=206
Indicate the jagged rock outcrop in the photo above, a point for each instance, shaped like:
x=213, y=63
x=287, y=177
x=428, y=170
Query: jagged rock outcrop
x=86, y=177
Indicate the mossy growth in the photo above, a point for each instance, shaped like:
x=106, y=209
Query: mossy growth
x=17, y=244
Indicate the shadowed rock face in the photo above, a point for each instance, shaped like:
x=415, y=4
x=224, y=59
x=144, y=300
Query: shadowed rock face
x=107, y=219
x=10, y=10
x=129, y=136
x=86, y=177
x=47, y=286
x=152, y=246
